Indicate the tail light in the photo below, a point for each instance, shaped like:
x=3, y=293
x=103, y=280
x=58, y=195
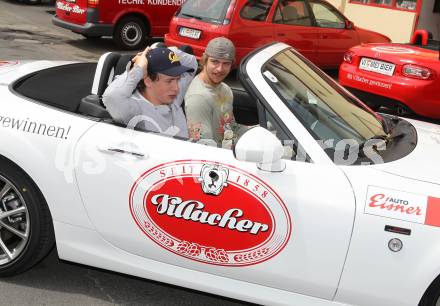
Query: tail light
x=229, y=12
x=417, y=72
x=348, y=57
x=92, y=3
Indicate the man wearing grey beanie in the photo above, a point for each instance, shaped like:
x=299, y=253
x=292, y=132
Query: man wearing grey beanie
x=208, y=101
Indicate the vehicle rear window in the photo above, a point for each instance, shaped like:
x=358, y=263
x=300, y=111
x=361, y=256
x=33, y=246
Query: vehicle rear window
x=213, y=11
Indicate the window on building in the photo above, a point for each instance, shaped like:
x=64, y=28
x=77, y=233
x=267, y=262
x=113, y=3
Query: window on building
x=382, y=2
x=436, y=6
x=408, y=5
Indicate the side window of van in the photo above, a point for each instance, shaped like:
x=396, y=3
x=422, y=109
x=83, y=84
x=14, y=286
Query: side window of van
x=293, y=12
x=256, y=10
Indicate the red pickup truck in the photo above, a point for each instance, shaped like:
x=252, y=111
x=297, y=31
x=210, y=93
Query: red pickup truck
x=128, y=21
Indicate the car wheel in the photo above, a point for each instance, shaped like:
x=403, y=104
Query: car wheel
x=130, y=33
x=432, y=294
x=26, y=229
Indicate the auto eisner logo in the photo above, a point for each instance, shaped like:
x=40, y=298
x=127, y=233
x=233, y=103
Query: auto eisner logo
x=210, y=212
x=402, y=205
x=383, y=201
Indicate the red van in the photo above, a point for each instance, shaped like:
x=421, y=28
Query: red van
x=128, y=21
x=314, y=27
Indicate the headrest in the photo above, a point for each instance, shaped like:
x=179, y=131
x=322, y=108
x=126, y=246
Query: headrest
x=109, y=65
x=104, y=72
x=421, y=37
x=289, y=13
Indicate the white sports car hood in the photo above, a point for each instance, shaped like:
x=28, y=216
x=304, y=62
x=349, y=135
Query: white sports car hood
x=12, y=70
x=423, y=163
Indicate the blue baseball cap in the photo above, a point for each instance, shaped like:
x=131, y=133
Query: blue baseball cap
x=165, y=61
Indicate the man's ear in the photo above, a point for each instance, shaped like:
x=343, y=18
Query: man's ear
x=148, y=82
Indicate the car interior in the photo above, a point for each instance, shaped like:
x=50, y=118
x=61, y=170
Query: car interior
x=79, y=87
x=423, y=39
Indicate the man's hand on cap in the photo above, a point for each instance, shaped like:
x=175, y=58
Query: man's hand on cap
x=141, y=60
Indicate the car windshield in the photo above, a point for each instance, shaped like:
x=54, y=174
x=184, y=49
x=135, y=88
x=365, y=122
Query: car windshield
x=207, y=10
x=329, y=112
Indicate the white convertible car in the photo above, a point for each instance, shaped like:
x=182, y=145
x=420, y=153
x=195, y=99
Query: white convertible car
x=321, y=202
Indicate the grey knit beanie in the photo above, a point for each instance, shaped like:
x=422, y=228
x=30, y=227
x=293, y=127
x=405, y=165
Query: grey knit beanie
x=221, y=48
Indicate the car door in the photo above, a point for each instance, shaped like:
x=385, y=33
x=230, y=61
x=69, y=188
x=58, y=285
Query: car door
x=288, y=230
x=250, y=26
x=198, y=207
x=293, y=25
x=334, y=37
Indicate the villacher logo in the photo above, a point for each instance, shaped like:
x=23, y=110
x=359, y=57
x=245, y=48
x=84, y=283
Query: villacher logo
x=210, y=212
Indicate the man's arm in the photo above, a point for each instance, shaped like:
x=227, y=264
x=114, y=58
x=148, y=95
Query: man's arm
x=117, y=96
x=199, y=117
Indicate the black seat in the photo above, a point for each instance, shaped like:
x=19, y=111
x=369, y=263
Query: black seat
x=109, y=65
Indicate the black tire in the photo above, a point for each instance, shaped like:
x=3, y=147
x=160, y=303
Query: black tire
x=432, y=294
x=34, y=235
x=130, y=33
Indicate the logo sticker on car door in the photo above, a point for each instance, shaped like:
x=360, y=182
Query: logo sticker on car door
x=402, y=205
x=210, y=212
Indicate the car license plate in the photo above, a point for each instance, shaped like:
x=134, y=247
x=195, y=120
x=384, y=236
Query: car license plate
x=377, y=66
x=191, y=33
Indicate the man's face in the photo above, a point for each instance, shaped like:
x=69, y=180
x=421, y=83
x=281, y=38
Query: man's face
x=217, y=70
x=163, y=90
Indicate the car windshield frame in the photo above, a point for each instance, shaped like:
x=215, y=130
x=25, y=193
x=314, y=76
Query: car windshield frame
x=220, y=7
x=328, y=112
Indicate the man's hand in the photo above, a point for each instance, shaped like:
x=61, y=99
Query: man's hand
x=141, y=60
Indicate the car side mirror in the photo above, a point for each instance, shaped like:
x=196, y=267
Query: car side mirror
x=349, y=24
x=260, y=146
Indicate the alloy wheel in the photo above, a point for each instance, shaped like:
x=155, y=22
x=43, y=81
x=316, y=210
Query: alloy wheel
x=14, y=222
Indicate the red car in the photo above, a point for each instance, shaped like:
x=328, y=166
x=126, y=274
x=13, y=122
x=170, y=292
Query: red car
x=405, y=77
x=314, y=27
x=128, y=21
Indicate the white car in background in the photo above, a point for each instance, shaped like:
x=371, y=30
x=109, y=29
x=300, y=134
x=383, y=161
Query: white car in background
x=324, y=203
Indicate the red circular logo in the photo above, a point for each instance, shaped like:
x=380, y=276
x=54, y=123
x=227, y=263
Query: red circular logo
x=210, y=212
x=393, y=50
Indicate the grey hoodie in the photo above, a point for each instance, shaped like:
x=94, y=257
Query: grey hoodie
x=127, y=105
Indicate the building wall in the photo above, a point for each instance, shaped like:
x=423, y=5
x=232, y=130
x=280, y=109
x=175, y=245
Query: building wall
x=339, y=4
x=397, y=25
x=428, y=20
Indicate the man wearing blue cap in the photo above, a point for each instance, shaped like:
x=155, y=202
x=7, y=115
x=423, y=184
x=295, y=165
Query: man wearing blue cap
x=149, y=95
